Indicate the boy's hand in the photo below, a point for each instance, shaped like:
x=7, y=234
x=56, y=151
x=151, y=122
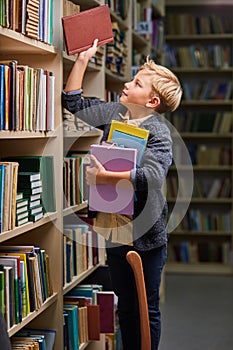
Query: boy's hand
x=88, y=54
x=95, y=171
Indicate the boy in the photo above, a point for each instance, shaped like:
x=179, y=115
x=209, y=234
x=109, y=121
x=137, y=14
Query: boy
x=154, y=90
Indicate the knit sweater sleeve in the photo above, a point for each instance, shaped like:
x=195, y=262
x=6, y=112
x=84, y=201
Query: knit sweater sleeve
x=156, y=159
x=95, y=112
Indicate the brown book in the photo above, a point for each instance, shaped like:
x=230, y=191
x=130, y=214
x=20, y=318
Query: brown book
x=93, y=317
x=81, y=29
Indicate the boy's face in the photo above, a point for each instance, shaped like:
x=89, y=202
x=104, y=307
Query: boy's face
x=138, y=91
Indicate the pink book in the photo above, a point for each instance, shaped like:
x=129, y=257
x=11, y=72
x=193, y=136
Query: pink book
x=108, y=198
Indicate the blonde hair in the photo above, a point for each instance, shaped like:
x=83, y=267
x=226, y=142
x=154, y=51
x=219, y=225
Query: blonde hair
x=167, y=87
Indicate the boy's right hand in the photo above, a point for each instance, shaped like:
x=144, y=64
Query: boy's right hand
x=88, y=54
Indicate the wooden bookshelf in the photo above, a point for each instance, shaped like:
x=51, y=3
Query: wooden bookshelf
x=203, y=225
x=47, y=232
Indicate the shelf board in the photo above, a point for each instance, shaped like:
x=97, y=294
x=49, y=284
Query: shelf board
x=195, y=3
x=69, y=60
x=17, y=231
x=201, y=70
x=86, y=4
x=114, y=77
x=17, y=43
x=201, y=200
x=206, y=135
x=185, y=234
x=77, y=279
x=83, y=345
x=139, y=41
x=200, y=103
x=201, y=168
x=121, y=22
x=158, y=8
x=198, y=37
x=48, y=302
x=77, y=134
x=74, y=209
x=27, y=134
x=200, y=268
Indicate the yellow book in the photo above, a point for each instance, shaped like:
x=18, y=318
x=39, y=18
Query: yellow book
x=129, y=136
x=127, y=129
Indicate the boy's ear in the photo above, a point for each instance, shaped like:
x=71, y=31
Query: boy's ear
x=154, y=102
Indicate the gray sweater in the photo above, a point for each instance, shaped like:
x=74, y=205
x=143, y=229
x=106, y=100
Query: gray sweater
x=150, y=207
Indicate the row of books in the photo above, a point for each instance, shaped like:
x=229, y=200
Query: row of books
x=26, y=190
x=202, y=121
x=80, y=249
x=33, y=18
x=198, y=221
x=34, y=339
x=196, y=252
x=120, y=7
x=207, y=155
x=75, y=187
x=112, y=96
x=25, y=281
x=202, y=188
x=140, y=13
x=27, y=97
x=8, y=193
x=88, y=312
x=190, y=24
x=70, y=8
x=199, y=56
x=157, y=40
x=202, y=154
x=207, y=90
x=29, y=206
x=116, y=51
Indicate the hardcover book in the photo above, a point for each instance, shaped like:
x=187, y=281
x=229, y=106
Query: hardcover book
x=129, y=135
x=81, y=29
x=108, y=198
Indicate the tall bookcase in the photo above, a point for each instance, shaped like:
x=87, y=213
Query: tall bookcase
x=45, y=233
x=199, y=38
x=48, y=232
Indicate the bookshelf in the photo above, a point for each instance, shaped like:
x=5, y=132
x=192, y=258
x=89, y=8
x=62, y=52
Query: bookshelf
x=49, y=55
x=198, y=49
x=46, y=232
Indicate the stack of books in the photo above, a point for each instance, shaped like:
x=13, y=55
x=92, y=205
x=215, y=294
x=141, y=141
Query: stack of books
x=123, y=152
x=30, y=184
x=22, y=216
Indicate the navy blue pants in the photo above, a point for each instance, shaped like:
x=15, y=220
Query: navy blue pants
x=124, y=287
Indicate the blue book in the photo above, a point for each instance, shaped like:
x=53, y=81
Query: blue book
x=48, y=334
x=2, y=181
x=130, y=141
x=72, y=311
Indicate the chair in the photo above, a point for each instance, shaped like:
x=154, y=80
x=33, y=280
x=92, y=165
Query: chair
x=135, y=262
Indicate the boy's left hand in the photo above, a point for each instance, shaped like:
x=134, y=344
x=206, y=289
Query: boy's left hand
x=95, y=171
x=88, y=54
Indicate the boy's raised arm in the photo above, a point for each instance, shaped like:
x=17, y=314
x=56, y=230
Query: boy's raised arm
x=75, y=79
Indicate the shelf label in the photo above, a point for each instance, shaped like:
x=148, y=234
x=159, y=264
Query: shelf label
x=144, y=27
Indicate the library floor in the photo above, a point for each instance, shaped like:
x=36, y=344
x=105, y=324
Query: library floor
x=197, y=313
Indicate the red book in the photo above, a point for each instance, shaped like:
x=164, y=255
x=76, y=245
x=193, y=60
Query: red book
x=81, y=29
x=107, y=314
